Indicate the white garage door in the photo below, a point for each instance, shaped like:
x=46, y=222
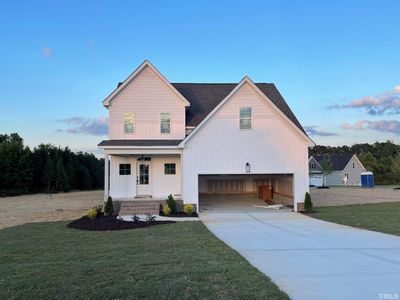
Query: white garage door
x=316, y=179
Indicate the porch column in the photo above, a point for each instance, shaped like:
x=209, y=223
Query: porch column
x=106, y=175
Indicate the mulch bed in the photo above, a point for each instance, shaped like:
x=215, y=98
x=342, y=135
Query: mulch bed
x=180, y=215
x=308, y=212
x=103, y=223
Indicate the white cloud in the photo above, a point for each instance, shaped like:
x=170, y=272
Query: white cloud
x=89, y=126
x=313, y=130
x=386, y=103
x=391, y=126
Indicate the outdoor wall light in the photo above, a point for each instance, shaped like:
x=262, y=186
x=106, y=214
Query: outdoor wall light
x=247, y=167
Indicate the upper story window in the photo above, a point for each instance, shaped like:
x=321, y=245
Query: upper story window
x=312, y=165
x=245, y=118
x=165, y=123
x=129, y=123
x=353, y=165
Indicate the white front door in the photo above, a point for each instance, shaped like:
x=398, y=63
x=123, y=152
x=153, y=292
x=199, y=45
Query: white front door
x=143, y=178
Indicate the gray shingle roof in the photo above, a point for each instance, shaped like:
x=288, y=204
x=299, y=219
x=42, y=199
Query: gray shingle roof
x=139, y=143
x=204, y=97
x=339, y=161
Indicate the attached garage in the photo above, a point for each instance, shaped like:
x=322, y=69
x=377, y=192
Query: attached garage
x=243, y=186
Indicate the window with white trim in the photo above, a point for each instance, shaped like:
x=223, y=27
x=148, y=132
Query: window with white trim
x=165, y=123
x=245, y=118
x=129, y=123
x=124, y=169
x=169, y=169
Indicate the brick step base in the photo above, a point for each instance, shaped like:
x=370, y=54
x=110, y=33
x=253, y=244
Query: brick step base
x=139, y=207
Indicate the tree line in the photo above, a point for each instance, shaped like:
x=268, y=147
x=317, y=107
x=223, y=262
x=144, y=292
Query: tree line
x=383, y=159
x=46, y=168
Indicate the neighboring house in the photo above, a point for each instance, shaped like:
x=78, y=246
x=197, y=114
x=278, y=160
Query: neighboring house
x=187, y=139
x=344, y=165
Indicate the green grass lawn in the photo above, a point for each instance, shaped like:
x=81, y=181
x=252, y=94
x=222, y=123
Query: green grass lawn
x=383, y=217
x=174, y=261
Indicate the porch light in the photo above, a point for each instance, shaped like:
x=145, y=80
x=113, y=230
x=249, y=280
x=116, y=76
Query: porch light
x=247, y=167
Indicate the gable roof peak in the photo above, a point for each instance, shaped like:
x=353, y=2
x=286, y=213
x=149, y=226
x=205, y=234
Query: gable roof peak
x=128, y=80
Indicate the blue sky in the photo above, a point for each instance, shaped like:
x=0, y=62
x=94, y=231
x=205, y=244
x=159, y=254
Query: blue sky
x=336, y=63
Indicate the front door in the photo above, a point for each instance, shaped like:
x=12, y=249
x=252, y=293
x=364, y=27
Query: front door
x=143, y=178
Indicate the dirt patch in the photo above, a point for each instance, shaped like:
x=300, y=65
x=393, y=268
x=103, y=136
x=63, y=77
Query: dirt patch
x=41, y=207
x=103, y=223
x=353, y=195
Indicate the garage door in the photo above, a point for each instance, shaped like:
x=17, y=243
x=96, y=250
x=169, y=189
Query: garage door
x=316, y=179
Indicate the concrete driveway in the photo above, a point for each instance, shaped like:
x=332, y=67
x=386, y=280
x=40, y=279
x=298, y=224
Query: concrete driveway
x=309, y=258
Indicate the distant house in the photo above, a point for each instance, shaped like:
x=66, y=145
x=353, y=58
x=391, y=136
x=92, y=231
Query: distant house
x=344, y=165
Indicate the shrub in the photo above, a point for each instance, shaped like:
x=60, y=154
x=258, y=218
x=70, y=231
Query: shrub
x=166, y=210
x=92, y=213
x=171, y=203
x=109, y=208
x=150, y=218
x=98, y=208
x=188, y=209
x=308, y=205
x=135, y=219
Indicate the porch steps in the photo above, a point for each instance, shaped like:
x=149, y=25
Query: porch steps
x=139, y=207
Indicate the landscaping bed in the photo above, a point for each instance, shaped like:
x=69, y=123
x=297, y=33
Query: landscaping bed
x=104, y=223
x=180, y=214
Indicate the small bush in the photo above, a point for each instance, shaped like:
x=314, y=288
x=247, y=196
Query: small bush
x=308, y=205
x=171, y=203
x=150, y=218
x=135, y=219
x=188, y=209
x=98, y=208
x=92, y=213
x=166, y=210
x=109, y=208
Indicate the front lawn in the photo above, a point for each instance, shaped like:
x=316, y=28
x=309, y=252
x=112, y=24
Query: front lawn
x=174, y=261
x=383, y=217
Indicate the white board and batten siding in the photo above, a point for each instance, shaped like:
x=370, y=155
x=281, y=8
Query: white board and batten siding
x=272, y=146
x=164, y=184
x=161, y=184
x=122, y=186
x=147, y=97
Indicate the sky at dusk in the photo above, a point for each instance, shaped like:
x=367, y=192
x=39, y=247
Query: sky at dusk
x=336, y=63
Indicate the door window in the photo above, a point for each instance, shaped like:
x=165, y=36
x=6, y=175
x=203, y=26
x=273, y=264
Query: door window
x=143, y=174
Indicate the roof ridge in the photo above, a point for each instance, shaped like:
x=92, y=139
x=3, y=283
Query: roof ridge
x=217, y=83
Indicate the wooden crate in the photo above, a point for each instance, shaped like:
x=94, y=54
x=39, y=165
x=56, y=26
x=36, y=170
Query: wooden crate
x=265, y=192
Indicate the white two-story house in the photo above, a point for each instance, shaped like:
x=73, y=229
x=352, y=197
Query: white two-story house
x=189, y=139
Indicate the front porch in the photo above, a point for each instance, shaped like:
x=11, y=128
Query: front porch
x=140, y=175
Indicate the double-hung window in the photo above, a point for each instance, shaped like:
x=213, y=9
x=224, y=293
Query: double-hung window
x=165, y=123
x=245, y=118
x=129, y=123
